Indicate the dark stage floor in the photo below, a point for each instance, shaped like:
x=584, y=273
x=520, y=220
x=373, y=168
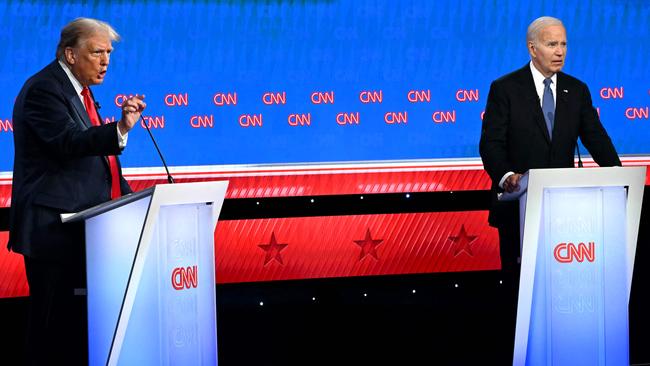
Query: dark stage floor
x=436, y=319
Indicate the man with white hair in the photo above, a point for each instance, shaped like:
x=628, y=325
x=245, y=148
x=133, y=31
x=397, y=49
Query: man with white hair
x=65, y=161
x=533, y=119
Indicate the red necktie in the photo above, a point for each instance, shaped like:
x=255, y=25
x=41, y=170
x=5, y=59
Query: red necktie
x=116, y=192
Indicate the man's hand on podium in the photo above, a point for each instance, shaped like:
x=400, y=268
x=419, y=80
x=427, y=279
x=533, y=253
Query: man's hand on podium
x=511, y=184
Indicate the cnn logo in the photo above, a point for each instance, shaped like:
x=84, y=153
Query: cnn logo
x=568, y=252
x=185, y=277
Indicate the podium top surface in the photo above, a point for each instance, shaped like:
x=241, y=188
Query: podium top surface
x=587, y=177
x=106, y=206
x=577, y=177
x=162, y=194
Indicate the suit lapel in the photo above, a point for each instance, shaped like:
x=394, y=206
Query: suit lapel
x=561, y=104
x=80, y=109
x=105, y=158
x=528, y=87
x=71, y=95
x=82, y=116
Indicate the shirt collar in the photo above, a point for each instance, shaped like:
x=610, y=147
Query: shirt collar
x=75, y=83
x=538, y=78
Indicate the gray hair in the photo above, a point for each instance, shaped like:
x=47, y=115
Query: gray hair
x=77, y=31
x=532, y=35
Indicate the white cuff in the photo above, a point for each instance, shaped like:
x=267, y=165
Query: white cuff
x=121, y=139
x=503, y=180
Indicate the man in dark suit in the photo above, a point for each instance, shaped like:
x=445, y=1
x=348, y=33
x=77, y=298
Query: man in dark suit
x=65, y=161
x=533, y=119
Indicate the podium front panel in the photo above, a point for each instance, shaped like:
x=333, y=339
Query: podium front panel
x=111, y=242
x=579, y=307
x=173, y=320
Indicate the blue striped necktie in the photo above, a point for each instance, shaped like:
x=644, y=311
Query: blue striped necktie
x=548, y=106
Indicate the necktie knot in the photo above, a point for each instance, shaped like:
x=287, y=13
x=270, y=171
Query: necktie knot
x=547, y=82
x=85, y=92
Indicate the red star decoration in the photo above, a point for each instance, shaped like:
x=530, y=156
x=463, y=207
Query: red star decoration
x=273, y=250
x=463, y=242
x=368, y=246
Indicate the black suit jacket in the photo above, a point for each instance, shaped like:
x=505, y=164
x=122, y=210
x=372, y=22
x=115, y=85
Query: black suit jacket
x=59, y=165
x=514, y=136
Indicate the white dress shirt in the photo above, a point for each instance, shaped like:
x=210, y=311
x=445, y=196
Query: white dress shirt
x=538, y=78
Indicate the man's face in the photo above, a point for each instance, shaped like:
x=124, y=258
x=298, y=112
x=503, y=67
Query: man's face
x=548, y=52
x=89, y=61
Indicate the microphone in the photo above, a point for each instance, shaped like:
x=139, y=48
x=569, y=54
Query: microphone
x=578, y=152
x=170, y=179
x=97, y=105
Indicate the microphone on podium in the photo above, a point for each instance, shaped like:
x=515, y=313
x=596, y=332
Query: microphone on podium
x=170, y=179
x=579, y=159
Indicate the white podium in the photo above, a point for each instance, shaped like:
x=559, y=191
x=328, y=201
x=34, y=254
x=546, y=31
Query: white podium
x=579, y=234
x=151, y=277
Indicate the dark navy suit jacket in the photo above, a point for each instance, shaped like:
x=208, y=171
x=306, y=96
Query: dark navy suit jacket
x=59, y=165
x=514, y=137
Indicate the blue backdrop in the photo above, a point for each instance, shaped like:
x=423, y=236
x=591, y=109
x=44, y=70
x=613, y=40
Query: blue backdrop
x=187, y=53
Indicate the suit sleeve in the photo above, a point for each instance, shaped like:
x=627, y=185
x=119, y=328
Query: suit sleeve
x=493, y=146
x=593, y=134
x=124, y=185
x=47, y=115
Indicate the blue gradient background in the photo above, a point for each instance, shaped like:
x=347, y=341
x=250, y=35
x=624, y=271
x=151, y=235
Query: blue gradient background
x=251, y=47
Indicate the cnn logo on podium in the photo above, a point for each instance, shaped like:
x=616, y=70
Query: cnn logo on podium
x=569, y=252
x=185, y=277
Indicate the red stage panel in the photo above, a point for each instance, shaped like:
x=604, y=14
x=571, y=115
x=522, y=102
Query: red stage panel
x=5, y=193
x=13, y=282
x=337, y=246
x=332, y=246
x=360, y=245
